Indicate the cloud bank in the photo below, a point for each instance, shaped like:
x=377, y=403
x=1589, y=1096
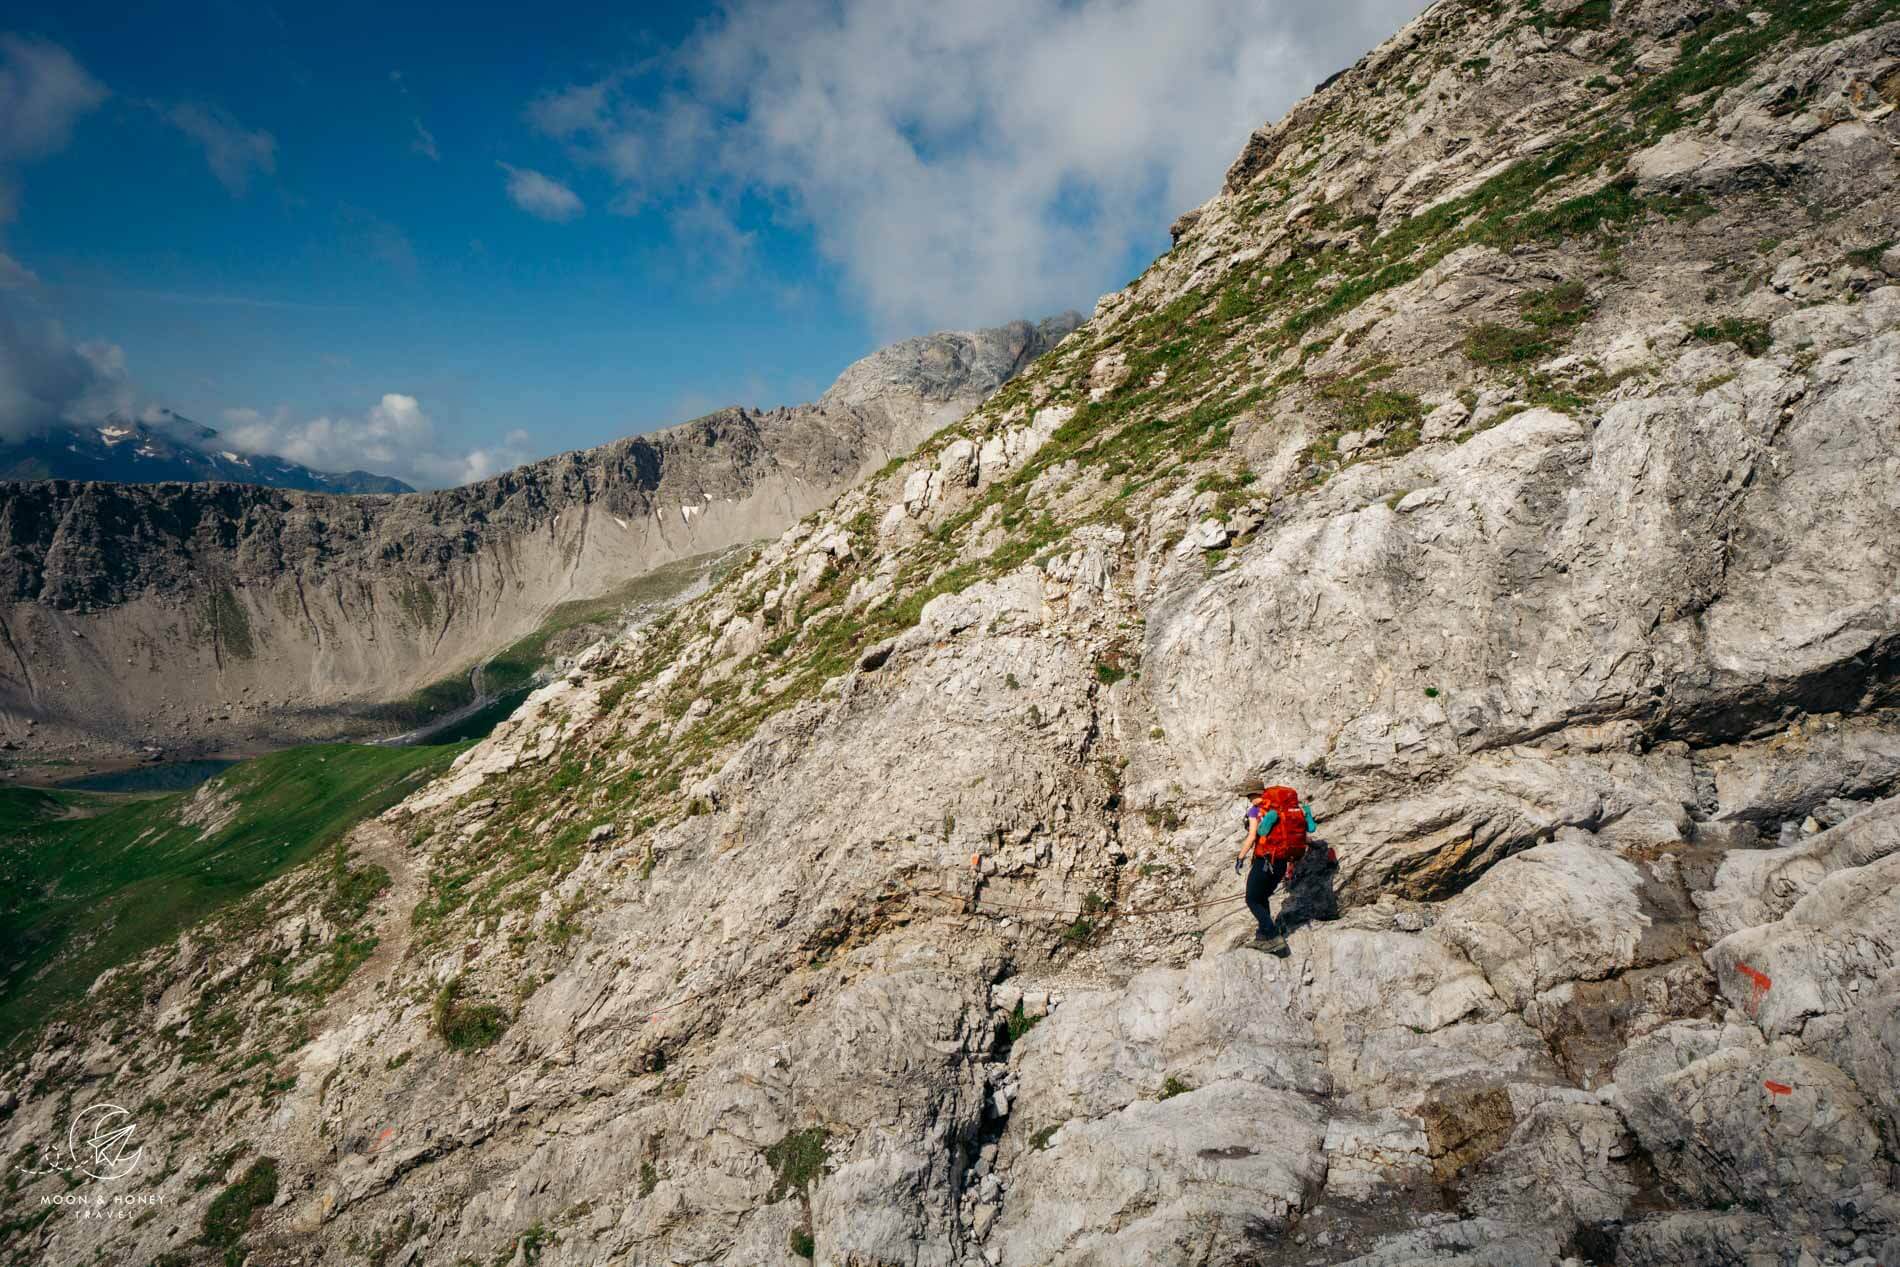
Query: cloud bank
x=541, y=196
x=46, y=380
x=958, y=163
x=395, y=436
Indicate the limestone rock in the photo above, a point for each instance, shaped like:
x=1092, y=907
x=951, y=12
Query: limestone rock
x=920, y=934
x=1146, y=1183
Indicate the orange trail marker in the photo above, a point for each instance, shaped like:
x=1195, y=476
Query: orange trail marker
x=1778, y=1088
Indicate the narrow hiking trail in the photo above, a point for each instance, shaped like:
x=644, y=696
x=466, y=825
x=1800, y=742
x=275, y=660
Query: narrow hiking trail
x=378, y=843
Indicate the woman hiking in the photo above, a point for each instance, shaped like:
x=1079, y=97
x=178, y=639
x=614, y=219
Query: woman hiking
x=1278, y=823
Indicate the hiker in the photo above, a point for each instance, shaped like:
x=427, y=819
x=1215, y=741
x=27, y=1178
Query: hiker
x=1278, y=823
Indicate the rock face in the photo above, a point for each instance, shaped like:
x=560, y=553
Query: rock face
x=212, y=616
x=1521, y=491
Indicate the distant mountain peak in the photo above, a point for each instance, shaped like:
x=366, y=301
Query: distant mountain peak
x=161, y=447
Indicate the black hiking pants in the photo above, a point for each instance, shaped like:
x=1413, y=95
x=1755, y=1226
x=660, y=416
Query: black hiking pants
x=1263, y=877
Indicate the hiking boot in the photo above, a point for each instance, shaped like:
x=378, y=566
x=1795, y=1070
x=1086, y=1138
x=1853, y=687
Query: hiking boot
x=1274, y=945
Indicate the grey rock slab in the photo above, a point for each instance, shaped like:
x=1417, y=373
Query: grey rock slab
x=1560, y=912
x=1726, y=1118
x=1237, y=1017
x=1832, y=943
x=1209, y=1171
x=1757, y=887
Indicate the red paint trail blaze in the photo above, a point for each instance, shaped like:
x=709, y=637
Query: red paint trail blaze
x=1778, y=1088
x=1758, y=985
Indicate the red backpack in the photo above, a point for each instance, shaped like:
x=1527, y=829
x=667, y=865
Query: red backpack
x=1287, y=841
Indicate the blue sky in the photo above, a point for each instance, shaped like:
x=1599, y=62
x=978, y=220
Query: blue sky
x=438, y=245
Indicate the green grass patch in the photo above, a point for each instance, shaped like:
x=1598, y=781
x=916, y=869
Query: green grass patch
x=1017, y=1022
x=1361, y=403
x=1591, y=15
x=1549, y=317
x=798, y=1161
x=1725, y=49
x=1750, y=335
x=1869, y=256
x=465, y=1026
x=230, y=1212
x=228, y=624
x=444, y=695
x=23, y=809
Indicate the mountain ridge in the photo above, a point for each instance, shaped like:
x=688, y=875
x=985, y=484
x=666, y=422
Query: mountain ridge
x=123, y=450
x=298, y=613
x=1502, y=459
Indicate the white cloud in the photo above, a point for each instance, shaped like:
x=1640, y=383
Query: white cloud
x=717, y=250
x=424, y=143
x=961, y=163
x=234, y=152
x=43, y=92
x=541, y=196
x=47, y=380
x=571, y=110
x=395, y=436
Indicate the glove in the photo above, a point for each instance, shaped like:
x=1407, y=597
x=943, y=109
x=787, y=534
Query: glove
x=1236, y=866
x=1332, y=854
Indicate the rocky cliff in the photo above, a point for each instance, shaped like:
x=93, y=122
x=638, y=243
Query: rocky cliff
x=215, y=616
x=1506, y=456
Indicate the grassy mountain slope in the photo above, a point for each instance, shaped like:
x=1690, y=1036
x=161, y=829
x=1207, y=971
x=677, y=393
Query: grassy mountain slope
x=94, y=881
